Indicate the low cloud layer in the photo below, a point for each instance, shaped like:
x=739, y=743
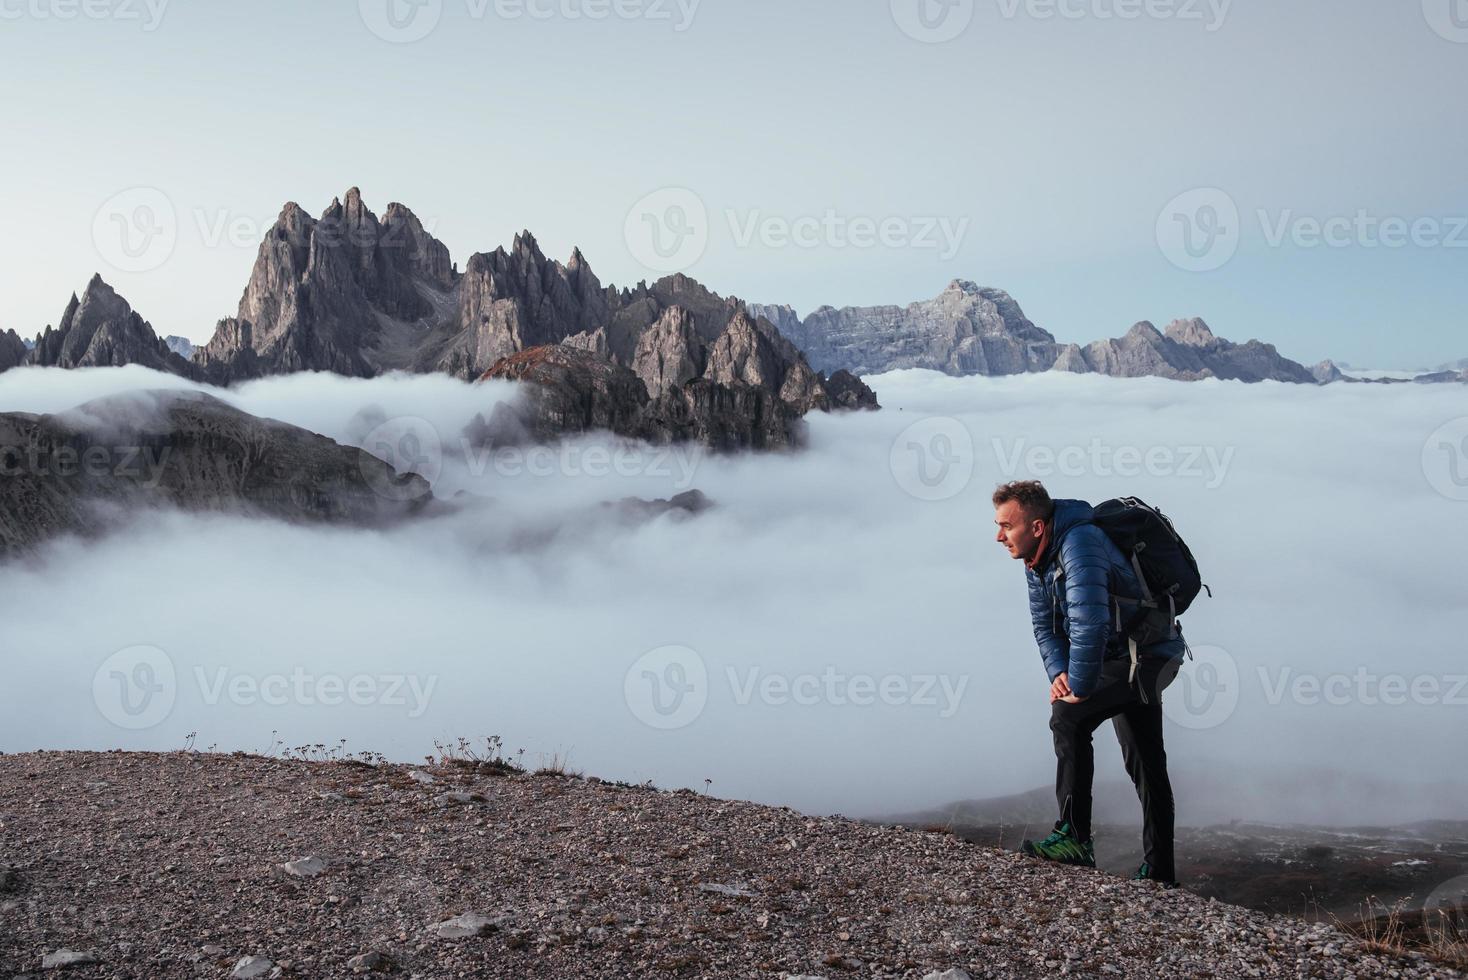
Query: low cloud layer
x=840, y=633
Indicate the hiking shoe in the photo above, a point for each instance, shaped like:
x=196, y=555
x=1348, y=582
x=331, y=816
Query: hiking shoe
x=1144, y=873
x=1062, y=847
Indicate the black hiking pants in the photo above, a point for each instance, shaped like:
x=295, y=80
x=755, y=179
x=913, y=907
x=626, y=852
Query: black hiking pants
x=1139, y=730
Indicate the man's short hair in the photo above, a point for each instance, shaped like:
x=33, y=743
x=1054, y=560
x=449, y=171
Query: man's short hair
x=1031, y=496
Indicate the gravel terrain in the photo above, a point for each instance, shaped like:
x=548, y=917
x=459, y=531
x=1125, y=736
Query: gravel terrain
x=211, y=865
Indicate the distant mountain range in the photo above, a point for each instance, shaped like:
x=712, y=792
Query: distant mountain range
x=357, y=295
x=968, y=329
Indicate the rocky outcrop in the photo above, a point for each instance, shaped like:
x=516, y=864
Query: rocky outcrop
x=972, y=330
x=182, y=346
x=348, y=294
x=13, y=350
x=71, y=472
x=568, y=390
x=1327, y=372
x=670, y=353
x=100, y=329
x=1189, y=351
x=964, y=330
x=345, y=293
x=754, y=353
x=845, y=390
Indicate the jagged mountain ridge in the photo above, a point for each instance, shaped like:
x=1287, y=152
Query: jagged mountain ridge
x=968, y=329
x=352, y=294
x=185, y=449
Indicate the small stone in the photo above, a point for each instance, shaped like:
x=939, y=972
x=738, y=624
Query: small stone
x=250, y=967
x=212, y=950
x=63, y=958
x=465, y=926
x=306, y=867
x=9, y=878
x=458, y=799
x=367, y=962
x=730, y=890
x=954, y=974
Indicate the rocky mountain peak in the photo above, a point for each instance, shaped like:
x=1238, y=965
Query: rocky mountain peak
x=100, y=329
x=1191, y=331
x=1143, y=332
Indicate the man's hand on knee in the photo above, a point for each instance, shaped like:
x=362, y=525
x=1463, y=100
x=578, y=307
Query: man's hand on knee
x=1060, y=690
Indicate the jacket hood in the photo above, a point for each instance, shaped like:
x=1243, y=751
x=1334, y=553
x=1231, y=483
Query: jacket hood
x=1068, y=513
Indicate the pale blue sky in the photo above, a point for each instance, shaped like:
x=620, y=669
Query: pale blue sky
x=1056, y=142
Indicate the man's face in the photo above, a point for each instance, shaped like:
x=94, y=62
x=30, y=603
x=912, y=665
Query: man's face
x=1019, y=536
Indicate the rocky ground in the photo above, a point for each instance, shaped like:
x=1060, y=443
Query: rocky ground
x=199, y=864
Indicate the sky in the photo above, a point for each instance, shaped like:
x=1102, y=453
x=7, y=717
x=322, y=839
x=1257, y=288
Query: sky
x=1291, y=172
x=840, y=632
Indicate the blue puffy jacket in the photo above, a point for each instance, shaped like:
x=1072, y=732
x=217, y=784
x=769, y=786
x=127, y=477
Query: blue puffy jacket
x=1070, y=599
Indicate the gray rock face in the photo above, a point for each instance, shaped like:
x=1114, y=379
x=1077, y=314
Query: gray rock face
x=13, y=350
x=569, y=390
x=72, y=471
x=182, y=346
x=846, y=391
x=100, y=329
x=970, y=330
x=754, y=353
x=349, y=294
x=964, y=330
x=345, y=293
x=1326, y=372
x=669, y=353
x=1189, y=351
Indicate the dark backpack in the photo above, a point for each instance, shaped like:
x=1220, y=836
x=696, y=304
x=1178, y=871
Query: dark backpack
x=1165, y=567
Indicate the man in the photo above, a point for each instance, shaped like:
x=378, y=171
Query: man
x=1074, y=570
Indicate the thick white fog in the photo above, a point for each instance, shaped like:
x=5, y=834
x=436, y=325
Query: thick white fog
x=839, y=633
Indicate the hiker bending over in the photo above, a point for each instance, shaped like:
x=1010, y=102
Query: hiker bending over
x=1110, y=643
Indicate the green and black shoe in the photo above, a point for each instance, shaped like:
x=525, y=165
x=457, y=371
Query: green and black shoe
x=1144, y=873
x=1062, y=847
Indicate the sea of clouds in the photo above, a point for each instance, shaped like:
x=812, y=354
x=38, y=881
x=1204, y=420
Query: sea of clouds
x=840, y=632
